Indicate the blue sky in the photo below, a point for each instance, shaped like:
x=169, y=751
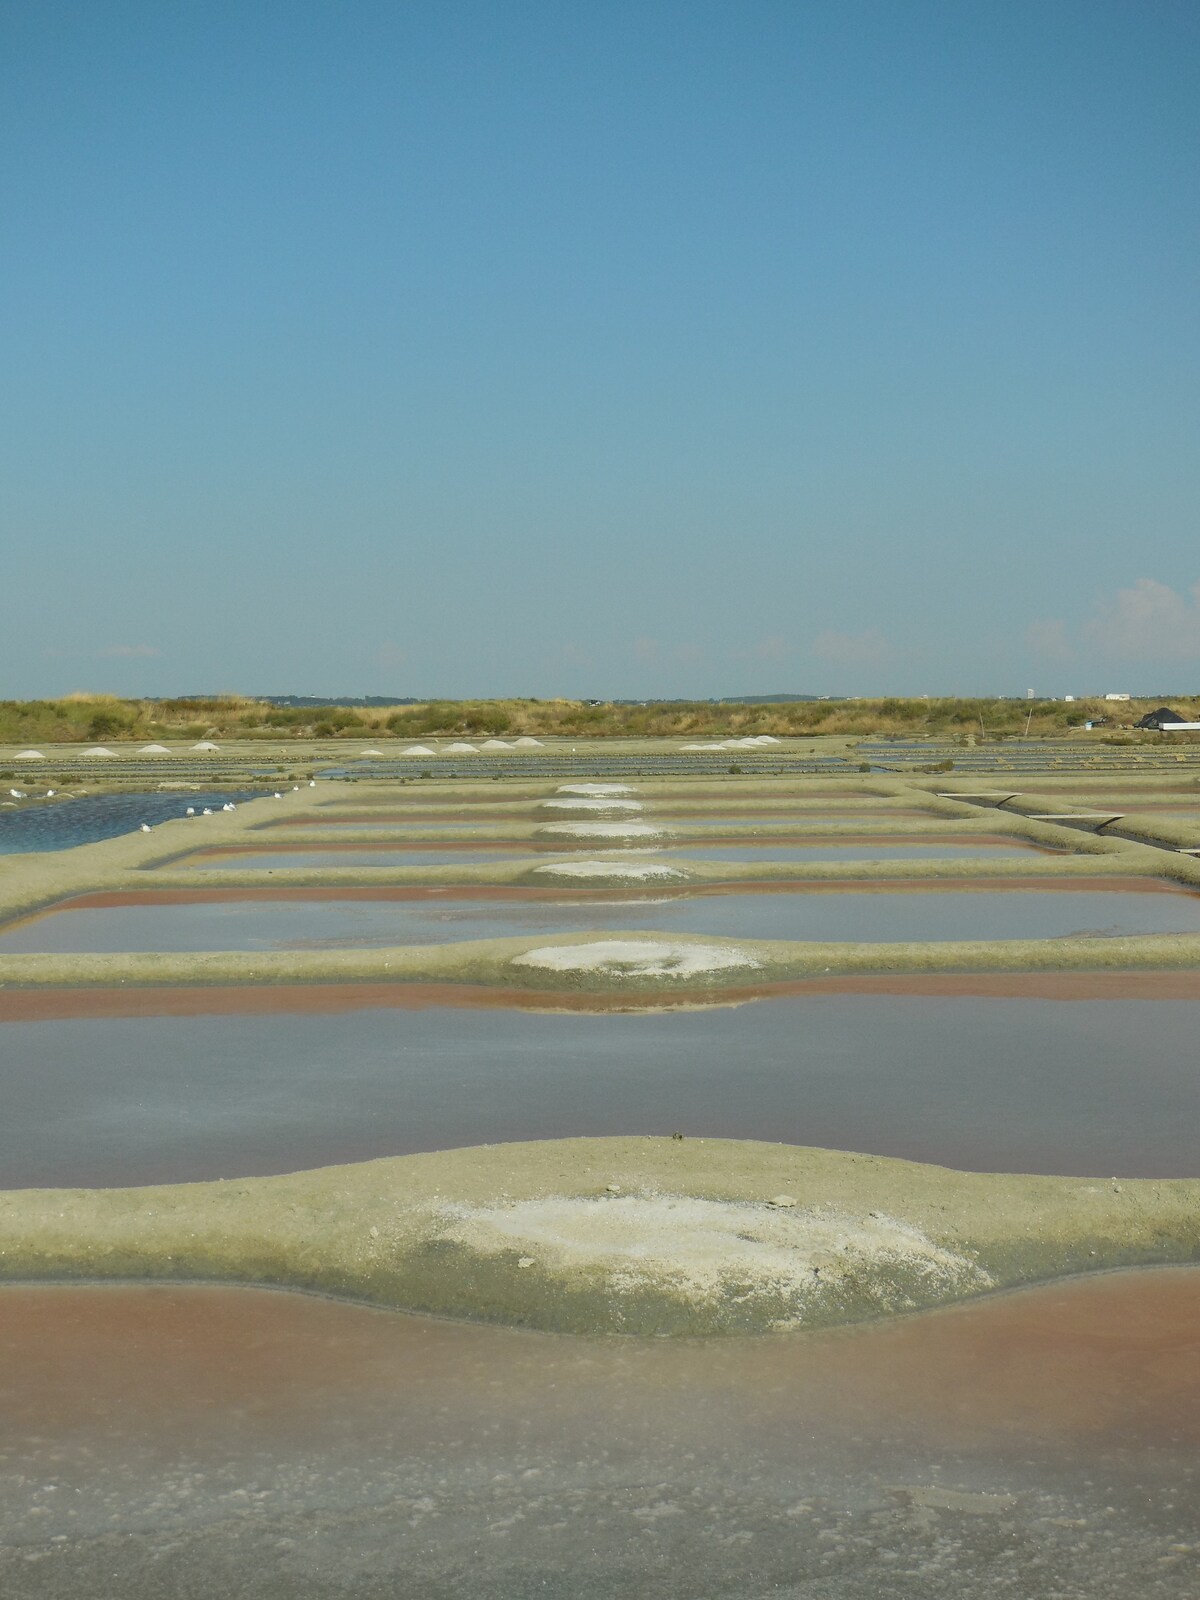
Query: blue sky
x=604, y=349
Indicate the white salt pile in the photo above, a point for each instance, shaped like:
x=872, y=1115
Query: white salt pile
x=526, y=743
x=206, y=744
x=495, y=744
x=602, y=830
x=591, y=803
x=417, y=750
x=636, y=870
x=705, y=1250
x=97, y=750
x=370, y=752
x=636, y=958
x=154, y=750
x=595, y=788
x=29, y=755
x=461, y=749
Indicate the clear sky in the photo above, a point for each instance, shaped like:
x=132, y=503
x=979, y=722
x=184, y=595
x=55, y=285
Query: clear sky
x=619, y=349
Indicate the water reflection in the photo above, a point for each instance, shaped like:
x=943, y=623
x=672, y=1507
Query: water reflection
x=63, y=823
x=1037, y=1443
x=1019, y=1085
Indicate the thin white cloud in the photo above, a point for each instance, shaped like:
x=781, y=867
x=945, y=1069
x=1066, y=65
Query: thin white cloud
x=1148, y=622
x=1047, y=637
x=127, y=651
x=851, y=649
x=772, y=647
x=389, y=655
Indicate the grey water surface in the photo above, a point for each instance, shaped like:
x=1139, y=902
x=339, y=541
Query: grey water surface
x=435, y=918
x=1089, y=1087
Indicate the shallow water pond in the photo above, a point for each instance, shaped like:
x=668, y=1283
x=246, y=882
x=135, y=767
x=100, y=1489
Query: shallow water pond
x=60, y=824
x=1089, y=1087
x=767, y=850
x=188, y=1440
x=233, y=920
x=734, y=821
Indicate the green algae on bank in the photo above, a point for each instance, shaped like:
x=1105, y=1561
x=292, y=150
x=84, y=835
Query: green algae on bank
x=497, y=963
x=617, y=1235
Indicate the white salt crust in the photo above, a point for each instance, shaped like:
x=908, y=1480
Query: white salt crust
x=636, y=958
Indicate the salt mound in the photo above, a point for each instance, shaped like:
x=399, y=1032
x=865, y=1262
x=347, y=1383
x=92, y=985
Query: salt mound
x=29, y=755
x=460, y=749
x=636, y=958
x=767, y=738
x=206, y=744
x=591, y=803
x=154, y=750
x=595, y=788
x=602, y=830
x=704, y=747
x=710, y=1250
x=98, y=750
x=495, y=744
x=370, y=752
x=417, y=750
x=610, y=869
x=526, y=743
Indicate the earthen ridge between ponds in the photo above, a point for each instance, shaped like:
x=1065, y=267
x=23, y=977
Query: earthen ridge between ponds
x=486, y=1233
x=516, y=1233
x=33, y=884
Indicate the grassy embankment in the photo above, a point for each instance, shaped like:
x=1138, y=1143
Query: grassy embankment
x=105, y=718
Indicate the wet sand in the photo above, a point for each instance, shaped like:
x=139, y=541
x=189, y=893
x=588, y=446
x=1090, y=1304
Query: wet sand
x=161, y=1441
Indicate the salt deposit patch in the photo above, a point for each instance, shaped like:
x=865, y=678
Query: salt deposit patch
x=495, y=744
x=636, y=958
x=460, y=749
x=417, y=750
x=639, y=870
x=526, y=743
x=591, y=803
x=595, y=788
x=710, y=1250
x=602, y=830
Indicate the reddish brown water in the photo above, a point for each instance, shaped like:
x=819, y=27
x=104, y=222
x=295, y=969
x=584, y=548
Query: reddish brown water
x=168, y=1441
x=250, y=858
x=1092, y=1086
x=324, y=917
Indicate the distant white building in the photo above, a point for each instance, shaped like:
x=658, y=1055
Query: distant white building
x=1116, y=697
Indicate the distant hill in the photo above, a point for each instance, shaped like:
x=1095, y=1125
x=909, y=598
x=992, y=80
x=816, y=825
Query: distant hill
x=302, y=701
x=772, y=699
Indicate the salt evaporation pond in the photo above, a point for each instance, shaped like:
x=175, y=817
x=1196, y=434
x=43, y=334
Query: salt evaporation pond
x=59, y=824
x=734, y=821
x=1104, y=1086
x=414, y=856
x=322, y=918
x=204, y=1440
